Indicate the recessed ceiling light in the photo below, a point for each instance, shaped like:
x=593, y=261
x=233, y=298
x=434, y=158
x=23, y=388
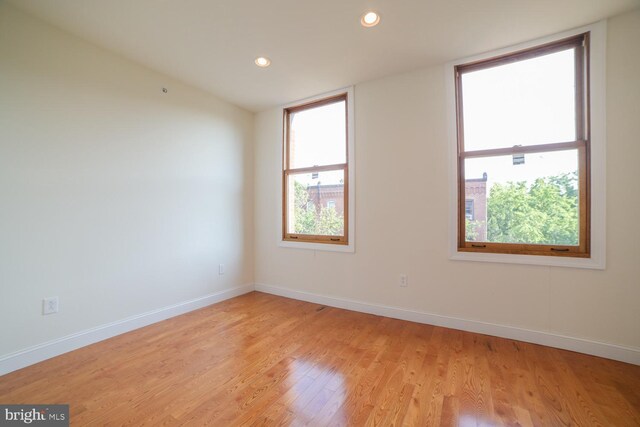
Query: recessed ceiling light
x=370, y=19
x=263, y=62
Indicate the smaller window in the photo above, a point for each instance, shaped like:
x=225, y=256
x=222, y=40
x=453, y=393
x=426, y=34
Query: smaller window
x=468, y=209
x=316, y=172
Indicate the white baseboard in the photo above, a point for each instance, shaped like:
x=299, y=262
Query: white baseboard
x=595, y=348
x=47, y=350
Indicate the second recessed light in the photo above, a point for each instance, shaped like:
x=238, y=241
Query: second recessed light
x=263, y=62
x=370, y=19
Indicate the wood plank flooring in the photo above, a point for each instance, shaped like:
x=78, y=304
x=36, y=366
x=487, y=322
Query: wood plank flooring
x=261, y=360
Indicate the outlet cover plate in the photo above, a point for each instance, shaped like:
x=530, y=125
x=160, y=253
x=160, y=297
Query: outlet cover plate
x=50, y=305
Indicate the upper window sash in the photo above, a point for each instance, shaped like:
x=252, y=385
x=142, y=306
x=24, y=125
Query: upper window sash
x=337, y=154
x=580, y=45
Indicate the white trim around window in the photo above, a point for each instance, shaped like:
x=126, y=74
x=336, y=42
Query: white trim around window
x=597, y=72
x=350, y=247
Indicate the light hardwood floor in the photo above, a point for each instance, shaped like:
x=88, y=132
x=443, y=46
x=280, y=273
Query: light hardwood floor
x=265, y=360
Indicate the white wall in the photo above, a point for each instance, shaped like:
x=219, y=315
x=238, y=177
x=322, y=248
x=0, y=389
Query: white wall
x=402, y=200
x=115, y=197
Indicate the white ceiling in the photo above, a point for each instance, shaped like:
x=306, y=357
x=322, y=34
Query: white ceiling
x=314, y=46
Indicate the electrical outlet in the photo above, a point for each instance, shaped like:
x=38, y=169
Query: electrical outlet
x=221, y=269
x=404, y=280
x=50, y=305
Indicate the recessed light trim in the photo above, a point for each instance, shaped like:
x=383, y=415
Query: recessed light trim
x=370, y=19
x=262, y=61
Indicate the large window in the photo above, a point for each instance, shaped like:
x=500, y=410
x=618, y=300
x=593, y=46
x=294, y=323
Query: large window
x=524, y=151
x=316, y=172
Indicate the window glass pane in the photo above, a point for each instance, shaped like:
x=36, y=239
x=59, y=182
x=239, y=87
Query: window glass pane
x=532, y=200
x=315, y=203
x=317, y=136
x=523, y=103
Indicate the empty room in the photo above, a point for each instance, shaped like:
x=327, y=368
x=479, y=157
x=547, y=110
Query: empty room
x=336, y=213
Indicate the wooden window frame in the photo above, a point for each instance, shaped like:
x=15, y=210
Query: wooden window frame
x=581, y=44
x=288, y=171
